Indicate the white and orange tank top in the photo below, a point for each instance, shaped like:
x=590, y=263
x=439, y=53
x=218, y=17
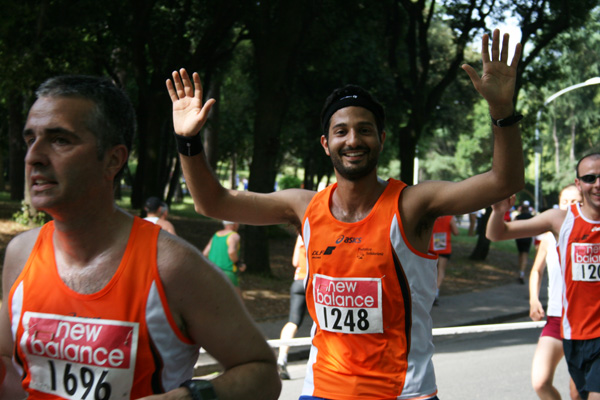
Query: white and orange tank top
x=555, y=280
x=119, y=343
x=579, y=252
x=370, y=294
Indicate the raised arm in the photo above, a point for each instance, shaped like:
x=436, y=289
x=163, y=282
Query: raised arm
x=498, y=229
x=210, y=197
x=497, y=86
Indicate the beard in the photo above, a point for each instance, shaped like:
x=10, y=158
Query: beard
x=354, y=172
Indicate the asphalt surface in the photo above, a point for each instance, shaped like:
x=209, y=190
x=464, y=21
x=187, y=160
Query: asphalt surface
x=491, y=306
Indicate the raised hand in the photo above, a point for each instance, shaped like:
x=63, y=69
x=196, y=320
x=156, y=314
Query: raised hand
x=497, y=83
x=503, y=206
x=189, y=115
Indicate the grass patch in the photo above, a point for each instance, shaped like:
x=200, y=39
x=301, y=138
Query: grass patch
x=463, y=238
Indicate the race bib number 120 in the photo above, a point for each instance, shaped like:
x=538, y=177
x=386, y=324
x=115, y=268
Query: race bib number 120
x=585, y=262
x=80, y=358
x=348, y=305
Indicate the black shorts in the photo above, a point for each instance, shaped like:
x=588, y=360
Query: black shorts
x=297, y=302
x=523, y=245
x=583, y=360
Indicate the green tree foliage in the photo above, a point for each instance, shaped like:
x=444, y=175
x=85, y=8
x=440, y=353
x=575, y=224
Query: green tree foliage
x=569, y=124
x=270, y=64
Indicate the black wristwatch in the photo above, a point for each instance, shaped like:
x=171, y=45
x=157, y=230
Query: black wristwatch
x=508, y=121
x=200, y=389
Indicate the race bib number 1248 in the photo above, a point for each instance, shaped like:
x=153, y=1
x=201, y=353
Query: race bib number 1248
x=348, y=305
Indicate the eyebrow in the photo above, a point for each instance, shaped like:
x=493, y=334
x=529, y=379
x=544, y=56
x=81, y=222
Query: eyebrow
x=49, y=131
x=344, y=124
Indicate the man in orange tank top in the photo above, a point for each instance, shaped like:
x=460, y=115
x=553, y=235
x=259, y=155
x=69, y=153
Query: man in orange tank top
x=578, y=236
x=366, y=238
x=98, y=302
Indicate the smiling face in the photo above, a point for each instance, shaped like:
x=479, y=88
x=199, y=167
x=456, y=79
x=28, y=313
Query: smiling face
x=353, y=143
x=62, y=164
x=589, y=191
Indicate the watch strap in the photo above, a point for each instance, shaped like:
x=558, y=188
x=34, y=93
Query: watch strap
x=200, y=389
x=189, y=145
x=508, y=121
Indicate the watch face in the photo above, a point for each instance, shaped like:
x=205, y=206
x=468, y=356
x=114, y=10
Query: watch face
x=200, y=389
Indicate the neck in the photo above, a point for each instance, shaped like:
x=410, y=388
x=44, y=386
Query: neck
x=80, y=239
x=590, y=212
x=353, y=200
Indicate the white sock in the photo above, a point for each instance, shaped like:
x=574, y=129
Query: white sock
x=282, y=359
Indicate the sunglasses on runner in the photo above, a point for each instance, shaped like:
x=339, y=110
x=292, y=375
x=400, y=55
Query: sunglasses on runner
x=591, y=178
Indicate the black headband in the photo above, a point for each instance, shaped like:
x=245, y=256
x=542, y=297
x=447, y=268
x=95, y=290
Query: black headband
x=356, y=101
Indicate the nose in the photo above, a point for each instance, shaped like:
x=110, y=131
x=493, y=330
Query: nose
x=36, y=153
x=353, y=138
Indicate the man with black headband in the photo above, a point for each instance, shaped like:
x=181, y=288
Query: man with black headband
x=370, y=283
x=578, y=236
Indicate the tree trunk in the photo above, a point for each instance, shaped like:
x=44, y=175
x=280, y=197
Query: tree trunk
x=482, y=247
x=556, y=148
x=16, y=154
x=573, y=130
x=149, y=175
x=262, y=173
x=408, y=147
x=233, y=177
x=277, y=29
x=211, y=131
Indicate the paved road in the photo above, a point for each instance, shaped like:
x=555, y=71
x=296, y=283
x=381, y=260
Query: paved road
x=492, y=366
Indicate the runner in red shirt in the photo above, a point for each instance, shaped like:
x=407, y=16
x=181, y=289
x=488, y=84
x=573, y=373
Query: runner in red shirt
x=578, y=232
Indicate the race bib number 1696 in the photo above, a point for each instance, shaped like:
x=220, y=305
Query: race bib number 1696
x=348, y=305
x=80, y=358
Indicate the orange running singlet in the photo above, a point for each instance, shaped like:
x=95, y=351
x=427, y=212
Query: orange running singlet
x=369, y=293
x=579, y=252
x=118, y=343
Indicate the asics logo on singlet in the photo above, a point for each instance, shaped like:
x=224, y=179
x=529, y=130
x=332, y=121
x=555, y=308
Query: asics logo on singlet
x=345, y=239
x=596, y=229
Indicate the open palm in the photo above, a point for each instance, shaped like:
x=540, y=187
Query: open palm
x=189, y=115
x=497, y=82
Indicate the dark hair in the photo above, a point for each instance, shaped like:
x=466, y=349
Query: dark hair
x=153, y=204
x=594, y=154
x=112, y=120
x=351, y=95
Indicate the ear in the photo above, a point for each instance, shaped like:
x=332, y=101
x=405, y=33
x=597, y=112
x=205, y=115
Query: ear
x=115, y=157
x=325, y=144
x=382, y=139
x=578, y=185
